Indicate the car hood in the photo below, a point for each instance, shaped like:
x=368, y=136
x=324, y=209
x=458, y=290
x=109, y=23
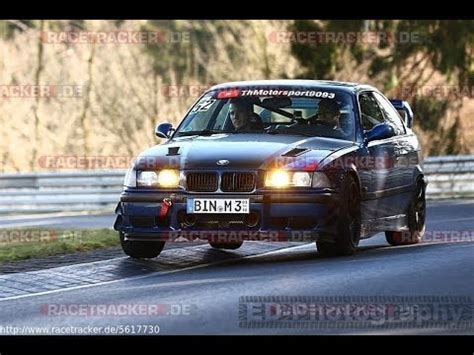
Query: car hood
x=242, y=151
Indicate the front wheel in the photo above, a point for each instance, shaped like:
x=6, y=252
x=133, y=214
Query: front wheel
x=416, y=220
x=141, y=250
x=348, y=224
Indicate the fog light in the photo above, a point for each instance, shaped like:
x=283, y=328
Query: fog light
x=278, y=179
x=251, y=220
x=168, y=178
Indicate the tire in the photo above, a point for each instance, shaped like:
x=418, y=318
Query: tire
x=416, y=220
x=234, y=245
x=141, y=250
x=349, y=222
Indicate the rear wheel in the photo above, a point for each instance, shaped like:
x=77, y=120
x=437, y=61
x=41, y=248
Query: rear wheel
x=349, y=222
x=416, y=220
x=141, y=250
x=233, y=245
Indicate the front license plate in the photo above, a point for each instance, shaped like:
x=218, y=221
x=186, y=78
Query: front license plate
x=217, y=205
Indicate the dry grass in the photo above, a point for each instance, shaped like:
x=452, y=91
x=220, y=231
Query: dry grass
x=122, y=95
x=41, y=243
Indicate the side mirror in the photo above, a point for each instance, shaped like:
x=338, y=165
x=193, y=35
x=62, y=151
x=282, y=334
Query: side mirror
x=163, y=130
x=403, y=115
x=405, y=111
x=380, y=131
x=408, y=117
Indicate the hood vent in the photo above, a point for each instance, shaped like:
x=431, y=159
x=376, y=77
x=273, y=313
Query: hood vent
x=295, y=152
x=173, y=151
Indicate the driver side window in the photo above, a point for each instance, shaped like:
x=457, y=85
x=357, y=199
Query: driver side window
x=370, y=111
x=391, y=114
x=222, y=118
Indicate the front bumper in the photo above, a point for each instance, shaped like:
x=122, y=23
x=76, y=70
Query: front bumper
x=282, y=216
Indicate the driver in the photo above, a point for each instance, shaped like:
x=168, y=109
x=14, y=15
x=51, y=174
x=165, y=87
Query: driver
x=328, y=114
x=242, y=115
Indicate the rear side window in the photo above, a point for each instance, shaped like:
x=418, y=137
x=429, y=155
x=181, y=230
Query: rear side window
x=391, y=115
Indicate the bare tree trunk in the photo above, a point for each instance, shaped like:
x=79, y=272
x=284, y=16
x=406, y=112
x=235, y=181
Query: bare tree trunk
x=85, y=122
x=39, y=70
x=156, y=95
x=3, y=145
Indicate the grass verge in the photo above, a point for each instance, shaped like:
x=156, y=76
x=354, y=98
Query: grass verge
x=21, y=244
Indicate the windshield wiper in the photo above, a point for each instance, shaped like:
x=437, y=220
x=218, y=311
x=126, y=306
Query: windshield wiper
x=205, y=132
x=290, y=133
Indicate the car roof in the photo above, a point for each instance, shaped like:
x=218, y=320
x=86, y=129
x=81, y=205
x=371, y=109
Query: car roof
x=329, y=84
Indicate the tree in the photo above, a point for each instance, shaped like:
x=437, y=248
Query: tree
x=406, y=57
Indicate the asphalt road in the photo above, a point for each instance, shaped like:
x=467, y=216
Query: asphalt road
x=420, y=289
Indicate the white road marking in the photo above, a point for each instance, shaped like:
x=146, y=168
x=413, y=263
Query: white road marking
x=159, y=273
x=27, y=224
x=153, y=274
x=451, y=220
x=52, y=214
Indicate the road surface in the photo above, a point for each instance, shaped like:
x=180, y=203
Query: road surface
x=262, y=288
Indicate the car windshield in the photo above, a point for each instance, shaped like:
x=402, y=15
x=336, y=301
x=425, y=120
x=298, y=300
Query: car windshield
x=309, y=112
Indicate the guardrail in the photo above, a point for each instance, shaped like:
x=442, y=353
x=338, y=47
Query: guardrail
x=52, y=192
x=448, y=177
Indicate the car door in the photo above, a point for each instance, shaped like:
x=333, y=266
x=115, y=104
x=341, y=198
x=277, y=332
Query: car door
x=380, y=200
x=406, y=152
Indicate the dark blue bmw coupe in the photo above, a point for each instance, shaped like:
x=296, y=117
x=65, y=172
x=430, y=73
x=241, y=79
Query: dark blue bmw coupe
x=283, y=160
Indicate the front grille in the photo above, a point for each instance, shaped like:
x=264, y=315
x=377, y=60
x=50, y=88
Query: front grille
x=230, y=182
x=292, y=222
x=148, y=221
x=219, y=221
x=201, y=182
x=142, y=221
x=238, y=182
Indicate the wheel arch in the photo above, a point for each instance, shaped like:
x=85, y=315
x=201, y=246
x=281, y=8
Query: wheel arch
x=352, y=172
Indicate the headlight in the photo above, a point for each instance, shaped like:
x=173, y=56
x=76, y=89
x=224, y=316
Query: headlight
x=130, y=178
x=147, y=178
x=320, y=180
x=164, y=178
x=281, y=179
